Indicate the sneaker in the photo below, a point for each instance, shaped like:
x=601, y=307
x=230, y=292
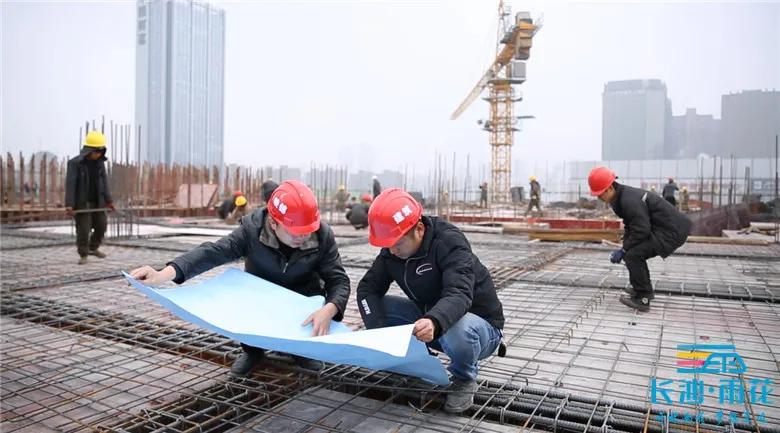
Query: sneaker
x=461, y=395
x=97, y=253
x=245, y=362
x=308, y=363
x=632, y=292
x=640, y=303
x=83, y=260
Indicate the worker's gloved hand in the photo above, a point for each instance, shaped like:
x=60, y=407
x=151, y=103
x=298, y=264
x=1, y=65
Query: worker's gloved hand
x=69, y=211
x=617, y=256
x=111, y=206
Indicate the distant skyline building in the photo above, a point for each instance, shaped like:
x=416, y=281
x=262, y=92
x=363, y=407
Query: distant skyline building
x=635, y=121
x=750, y=121
x=693, y=134
x=180, y=82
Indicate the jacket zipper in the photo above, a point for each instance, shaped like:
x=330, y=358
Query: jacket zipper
x=406, y=283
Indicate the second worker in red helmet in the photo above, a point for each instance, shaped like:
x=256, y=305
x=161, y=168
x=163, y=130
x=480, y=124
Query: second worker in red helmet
x=450, y=296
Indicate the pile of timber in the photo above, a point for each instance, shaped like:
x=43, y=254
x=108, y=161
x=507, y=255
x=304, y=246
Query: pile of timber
x=576, y=235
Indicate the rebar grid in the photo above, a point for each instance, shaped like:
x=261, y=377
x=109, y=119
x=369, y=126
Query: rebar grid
x=56, y=265
x=715, y=277
x=70, y=382
x=544, y=354
x=563, y=339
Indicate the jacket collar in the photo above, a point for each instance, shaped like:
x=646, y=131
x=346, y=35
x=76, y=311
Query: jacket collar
x=269, y=238
x=618, y=193
x=85, y=150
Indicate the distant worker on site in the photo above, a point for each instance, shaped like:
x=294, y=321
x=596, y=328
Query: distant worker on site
x=483, y=194
x=668, y=192
x=358, y=212
x=268, y=187
x=228, y=205
x=685, y=200
x=341, y=198
x=87, y=195
x=284, y=243
x=653, y=227
x=242, y=209
x=376, y=186
x=450, y=299
x=535, y=196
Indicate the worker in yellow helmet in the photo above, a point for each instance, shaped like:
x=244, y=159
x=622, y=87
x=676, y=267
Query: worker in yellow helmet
x=242, y=208
x=341, y=198
x=87, y=195
x=535, y=195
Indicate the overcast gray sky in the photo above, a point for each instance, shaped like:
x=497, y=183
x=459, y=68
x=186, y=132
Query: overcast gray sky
x=372, y=84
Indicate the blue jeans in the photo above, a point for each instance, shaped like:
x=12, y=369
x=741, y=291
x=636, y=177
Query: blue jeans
x=470, y=339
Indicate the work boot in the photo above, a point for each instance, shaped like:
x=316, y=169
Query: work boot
x=83, y=260
x=633, y=293
x=97, y=253
x=641, y=303
x=461, y=395
x=308, y=363
x=245, y=362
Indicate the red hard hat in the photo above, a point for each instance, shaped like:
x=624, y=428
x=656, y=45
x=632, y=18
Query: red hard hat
x=600, y=179
x=237, y=193
x=366, y=198
x=294, y=206
x=393, y=213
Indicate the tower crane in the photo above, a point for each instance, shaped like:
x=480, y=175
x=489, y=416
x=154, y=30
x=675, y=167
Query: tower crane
x=508, y=69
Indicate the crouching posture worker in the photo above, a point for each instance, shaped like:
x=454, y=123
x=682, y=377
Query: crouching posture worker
x=653, y=227
x=284, y=243
x=451, y=298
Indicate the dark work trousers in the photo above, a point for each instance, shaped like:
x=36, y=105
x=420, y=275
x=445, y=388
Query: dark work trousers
x=671, y=200
x=636, y=262
x=533, y=203
x=86, y=239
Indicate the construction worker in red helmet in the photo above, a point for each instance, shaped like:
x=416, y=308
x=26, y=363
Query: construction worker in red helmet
x=450, y=297
x=653, y=227
x=357, y=215
x=285, y=243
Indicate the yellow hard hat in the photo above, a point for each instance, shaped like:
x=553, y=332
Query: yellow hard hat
x=685, y=188
x=342, y=187
x=95, y=139
x=532, y=178
x=240, y=201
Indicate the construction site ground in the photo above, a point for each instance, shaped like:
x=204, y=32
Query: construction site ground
x=83, y=351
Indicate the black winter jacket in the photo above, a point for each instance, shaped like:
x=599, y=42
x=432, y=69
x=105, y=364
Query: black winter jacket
x=669, y=190
x=444, y=278
x=318, y=259
x=648, y=216
x=77, y=181
x=358, y=214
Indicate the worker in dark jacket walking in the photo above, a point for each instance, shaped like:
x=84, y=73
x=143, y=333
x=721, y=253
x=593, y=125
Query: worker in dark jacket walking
x=536, y=195
x=653, y=227
x=668, y=192
x=284, y=243
x=451, y=298
x=87, y=195
x=376, y=186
